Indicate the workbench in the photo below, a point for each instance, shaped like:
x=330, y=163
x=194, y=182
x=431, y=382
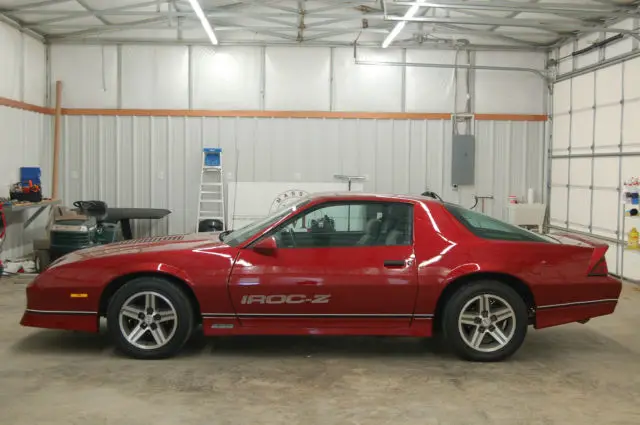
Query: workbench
x=24, y=206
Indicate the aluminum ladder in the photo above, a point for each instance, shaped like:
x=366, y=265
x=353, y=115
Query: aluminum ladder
x=211, y=196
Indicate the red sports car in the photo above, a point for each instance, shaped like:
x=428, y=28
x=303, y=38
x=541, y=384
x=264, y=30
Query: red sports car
x=337, y=264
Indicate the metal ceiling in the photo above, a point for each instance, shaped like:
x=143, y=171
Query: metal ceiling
x=480, y=24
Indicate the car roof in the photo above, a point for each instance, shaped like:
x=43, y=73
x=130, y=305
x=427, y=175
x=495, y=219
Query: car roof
x=364, y=196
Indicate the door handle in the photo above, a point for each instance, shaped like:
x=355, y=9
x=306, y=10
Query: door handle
x=394, y=264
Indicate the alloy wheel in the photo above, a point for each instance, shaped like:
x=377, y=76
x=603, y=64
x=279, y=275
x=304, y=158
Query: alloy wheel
x=148, y=320
x=487, y=323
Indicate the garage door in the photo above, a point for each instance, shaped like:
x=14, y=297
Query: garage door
x=595, y=147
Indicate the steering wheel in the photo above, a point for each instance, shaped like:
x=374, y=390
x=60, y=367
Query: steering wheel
x=286, y=239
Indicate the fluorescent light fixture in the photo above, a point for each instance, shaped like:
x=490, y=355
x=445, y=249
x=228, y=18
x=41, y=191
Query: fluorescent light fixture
x=204, y=21
x=400, y=26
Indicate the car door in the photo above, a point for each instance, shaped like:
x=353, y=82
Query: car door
x=338, y=264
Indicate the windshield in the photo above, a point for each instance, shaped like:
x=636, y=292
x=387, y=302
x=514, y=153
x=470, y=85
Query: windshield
x=245, y=233
x=490, y=228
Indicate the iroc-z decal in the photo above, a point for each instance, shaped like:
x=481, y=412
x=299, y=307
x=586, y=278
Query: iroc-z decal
x=285, y=299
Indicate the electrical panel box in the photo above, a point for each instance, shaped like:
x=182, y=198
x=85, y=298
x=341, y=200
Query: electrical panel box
x=463, y=160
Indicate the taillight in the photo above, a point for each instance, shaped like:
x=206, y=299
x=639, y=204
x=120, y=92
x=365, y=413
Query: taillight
x=600, y=269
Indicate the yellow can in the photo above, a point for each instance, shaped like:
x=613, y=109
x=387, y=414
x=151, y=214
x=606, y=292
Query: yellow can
x=633, y=239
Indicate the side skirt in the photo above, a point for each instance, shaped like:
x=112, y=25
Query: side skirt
x=219, y=326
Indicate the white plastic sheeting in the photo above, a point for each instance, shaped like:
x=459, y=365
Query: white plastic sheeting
x=22, y=133
x=97, y=86
x=22, y=71
x=288, y=78
x=24, y=144
x=155, y=161
x=492, y=88
x=286, y=86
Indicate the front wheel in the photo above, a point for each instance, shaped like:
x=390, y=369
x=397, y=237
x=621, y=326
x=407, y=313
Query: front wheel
x=149, y=318
x=485, y=321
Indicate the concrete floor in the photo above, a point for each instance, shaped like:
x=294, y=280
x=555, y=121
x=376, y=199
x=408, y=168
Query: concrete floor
x=575, y=374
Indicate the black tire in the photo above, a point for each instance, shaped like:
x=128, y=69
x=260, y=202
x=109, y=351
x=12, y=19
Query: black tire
x=163, y=288
x=42, y=260
x=453, y=310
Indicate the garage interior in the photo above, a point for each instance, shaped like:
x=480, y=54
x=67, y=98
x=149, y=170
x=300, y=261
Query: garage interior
x=523, y=110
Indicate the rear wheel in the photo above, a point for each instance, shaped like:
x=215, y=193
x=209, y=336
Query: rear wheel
x=149, y=318
x=485, y=321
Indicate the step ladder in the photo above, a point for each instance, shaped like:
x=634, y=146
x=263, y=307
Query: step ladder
x=211, y=197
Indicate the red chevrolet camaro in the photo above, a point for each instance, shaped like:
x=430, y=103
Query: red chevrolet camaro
x=337, y=264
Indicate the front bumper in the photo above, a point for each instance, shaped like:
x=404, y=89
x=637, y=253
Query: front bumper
x=68, y=320
x=53, y=303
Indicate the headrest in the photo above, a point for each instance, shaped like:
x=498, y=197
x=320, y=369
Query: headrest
x=373, y=227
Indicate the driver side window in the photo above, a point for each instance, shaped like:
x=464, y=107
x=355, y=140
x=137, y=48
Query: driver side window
x=348, y=224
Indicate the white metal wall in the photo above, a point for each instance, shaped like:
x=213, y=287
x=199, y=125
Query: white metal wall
x=155, y=161
x=287, y=78
x=596, y=142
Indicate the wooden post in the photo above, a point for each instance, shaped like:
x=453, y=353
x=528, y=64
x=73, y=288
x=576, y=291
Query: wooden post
x=56, y=140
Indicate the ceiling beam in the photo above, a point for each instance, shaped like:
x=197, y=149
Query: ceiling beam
x=209, y=13
x=37, y=4
x=338, y=4
x=88, y=30
x=553, y=8
x=490, y=34
x=555, y=26
x=511, y=16
x=262, y=3
x=95, y=30
x=88, y=9
x=94, y=13
x=20, y=27
x=301, y=14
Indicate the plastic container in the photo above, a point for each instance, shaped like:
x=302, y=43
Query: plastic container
x=212, y=157
x=30, y=173
x=633, y=239
x=26, y=197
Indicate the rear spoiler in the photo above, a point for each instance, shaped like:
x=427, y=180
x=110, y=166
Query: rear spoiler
x=597, y=263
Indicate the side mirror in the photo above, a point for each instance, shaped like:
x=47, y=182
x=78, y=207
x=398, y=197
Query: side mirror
x=223, y=235
x=266, y=246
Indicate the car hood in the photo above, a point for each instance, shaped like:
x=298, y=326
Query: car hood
x=145, y=245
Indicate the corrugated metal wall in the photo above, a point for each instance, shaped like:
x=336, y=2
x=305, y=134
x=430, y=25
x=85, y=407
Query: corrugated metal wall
x=24, y=137
x=155, y=161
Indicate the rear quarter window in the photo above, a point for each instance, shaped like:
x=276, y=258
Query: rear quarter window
x=487, y=227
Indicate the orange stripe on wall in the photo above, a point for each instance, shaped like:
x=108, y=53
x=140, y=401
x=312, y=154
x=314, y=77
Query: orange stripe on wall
x=265, y=114
x=296, y=114
x=510, y=117
x=258, y=114
x=25, y=106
